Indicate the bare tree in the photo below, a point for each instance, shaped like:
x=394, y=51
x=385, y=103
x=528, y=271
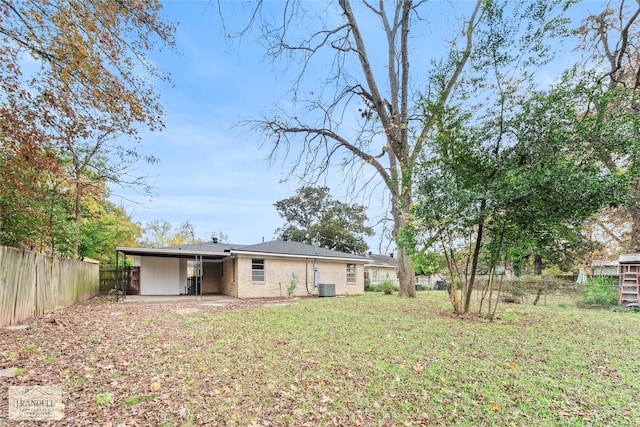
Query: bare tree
x=369, y=108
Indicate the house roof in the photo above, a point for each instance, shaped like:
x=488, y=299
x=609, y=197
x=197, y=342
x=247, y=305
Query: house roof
x=629, y=258
x=208, y=250
x=296, y=249
x=382, y=260
x=599, y=262
x=205, y=246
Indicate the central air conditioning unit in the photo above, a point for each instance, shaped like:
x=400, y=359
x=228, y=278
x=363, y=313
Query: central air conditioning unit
x=326, y=289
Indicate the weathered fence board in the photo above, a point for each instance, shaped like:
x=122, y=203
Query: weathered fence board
x=127, y=275
x=32, y=284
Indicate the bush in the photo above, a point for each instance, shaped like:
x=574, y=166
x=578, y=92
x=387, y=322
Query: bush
x=598, y=292
x=388, y=287
x=514, y=295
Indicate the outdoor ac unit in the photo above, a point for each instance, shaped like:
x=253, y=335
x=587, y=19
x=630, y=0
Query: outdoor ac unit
x=326, y=290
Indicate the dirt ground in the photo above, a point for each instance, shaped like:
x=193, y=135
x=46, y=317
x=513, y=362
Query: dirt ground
x=100, y=350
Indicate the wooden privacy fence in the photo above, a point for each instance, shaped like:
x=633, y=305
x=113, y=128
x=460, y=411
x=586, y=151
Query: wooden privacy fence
x=128, y=275
x=32, y=284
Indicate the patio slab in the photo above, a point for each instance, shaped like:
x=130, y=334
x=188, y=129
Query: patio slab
x=179, y=299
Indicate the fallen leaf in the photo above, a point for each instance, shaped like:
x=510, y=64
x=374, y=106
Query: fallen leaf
x=182, y=412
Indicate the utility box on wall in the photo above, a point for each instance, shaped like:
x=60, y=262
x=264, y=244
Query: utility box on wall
x=326, y=289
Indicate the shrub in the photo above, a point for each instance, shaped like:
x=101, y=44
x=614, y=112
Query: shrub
x=374, y=288
x=598, y=292
x=514, y=295
x=388, y=287
x=293, y=283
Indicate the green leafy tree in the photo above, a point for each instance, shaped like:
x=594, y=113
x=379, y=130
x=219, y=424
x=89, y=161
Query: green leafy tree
x=312, y=216
x=609, y=41
x=428, y=262
x=74, y=114
x=106, y=227
x=526, y=179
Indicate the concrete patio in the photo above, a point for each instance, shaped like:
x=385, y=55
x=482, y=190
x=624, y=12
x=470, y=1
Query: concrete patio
x=179, y=299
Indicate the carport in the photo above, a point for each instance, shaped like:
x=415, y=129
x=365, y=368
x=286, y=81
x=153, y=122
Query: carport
x=182, y=270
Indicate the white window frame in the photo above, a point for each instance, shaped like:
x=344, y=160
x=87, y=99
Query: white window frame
x=257, y=274
x=351, y=273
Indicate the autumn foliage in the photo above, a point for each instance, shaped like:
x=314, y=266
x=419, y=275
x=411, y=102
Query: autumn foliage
x=75, y=88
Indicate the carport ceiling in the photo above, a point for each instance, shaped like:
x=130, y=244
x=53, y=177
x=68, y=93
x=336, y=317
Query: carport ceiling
x=172, y=253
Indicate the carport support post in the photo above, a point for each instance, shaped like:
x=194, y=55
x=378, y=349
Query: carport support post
x=117, y=271
x=199, y=268
x=126, y=275
x=121, y=282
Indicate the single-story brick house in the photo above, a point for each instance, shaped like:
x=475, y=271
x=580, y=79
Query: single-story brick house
x=246, y=271
x=380, y=268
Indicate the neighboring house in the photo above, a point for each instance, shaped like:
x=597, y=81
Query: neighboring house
x=246, y=271
x=383, y=267
x=380, y=268
x=433, y=281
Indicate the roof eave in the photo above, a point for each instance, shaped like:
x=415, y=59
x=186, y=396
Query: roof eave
x=297, y=256
x=167, y=252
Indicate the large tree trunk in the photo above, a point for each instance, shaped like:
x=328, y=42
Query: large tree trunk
x=474, y=266
x=78, y=217
x=537, y=265
x=400, y=206
x=537, y=270
x=406, y=276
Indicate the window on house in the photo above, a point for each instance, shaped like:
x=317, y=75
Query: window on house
x=351, y=273
x=257, y=270
x=374, y=275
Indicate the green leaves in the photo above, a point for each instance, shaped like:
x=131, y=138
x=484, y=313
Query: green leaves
x=69, y=122
x=313, y=216
x=529, y=177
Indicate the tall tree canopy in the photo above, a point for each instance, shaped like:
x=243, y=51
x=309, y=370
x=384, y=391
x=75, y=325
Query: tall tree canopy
x=524, y=180
x=312, y=216
x=357, y=99
x=75, y=88
x=611, y=44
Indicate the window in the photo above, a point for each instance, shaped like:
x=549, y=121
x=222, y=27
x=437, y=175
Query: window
x=257, y=270
x=351, y=273
x=374, y=275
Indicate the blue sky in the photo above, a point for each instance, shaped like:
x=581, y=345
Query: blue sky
x=211, y=173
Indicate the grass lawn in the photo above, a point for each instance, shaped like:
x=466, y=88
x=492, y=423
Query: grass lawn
x=368, y=360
